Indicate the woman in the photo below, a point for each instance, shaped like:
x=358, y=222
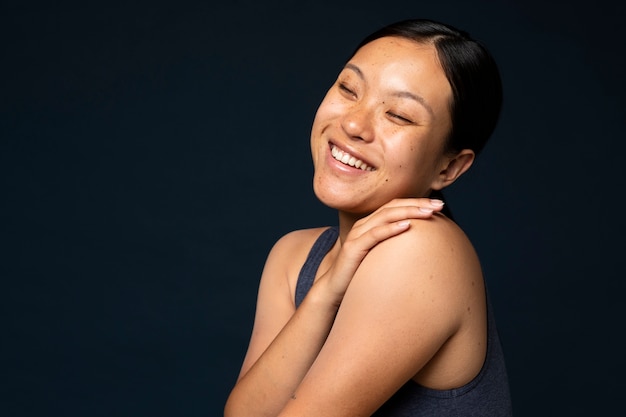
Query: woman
x=385, y=314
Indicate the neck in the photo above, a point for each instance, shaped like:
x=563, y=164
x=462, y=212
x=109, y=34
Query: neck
x=346, y=221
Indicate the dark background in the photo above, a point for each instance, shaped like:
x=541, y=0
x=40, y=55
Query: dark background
x=151, y=153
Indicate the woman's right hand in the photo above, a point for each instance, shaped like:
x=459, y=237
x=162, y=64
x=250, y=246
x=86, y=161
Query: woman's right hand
x=389, y=220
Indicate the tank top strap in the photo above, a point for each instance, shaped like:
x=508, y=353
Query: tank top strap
x=307, y=274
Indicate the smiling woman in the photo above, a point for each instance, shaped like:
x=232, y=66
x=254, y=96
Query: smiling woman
x=386, y=313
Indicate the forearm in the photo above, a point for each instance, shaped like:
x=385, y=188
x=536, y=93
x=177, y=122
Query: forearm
x=272, y=380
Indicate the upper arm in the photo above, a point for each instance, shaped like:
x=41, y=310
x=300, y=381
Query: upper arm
x=401, y=307
x=275, y=304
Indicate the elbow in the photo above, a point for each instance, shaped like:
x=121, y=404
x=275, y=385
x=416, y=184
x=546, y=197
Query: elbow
x=229, y=407
x=234, y=407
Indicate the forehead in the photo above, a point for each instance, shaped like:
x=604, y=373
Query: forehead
x=402, y=56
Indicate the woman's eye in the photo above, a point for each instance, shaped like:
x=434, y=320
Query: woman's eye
x=346, y=90
x=400, y=118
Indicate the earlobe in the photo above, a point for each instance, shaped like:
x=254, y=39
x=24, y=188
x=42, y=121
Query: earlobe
x=453, y=168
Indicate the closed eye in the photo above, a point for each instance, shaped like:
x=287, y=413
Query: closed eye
x=400, y=118
x=346, y=90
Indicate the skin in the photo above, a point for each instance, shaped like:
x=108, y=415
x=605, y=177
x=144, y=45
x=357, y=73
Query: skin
x=400, y=296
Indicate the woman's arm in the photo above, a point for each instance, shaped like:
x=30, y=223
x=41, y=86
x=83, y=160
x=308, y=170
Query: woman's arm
x=409, y=297
x=271, y=374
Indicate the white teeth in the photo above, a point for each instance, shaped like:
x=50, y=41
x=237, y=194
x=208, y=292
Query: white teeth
x=346, y=158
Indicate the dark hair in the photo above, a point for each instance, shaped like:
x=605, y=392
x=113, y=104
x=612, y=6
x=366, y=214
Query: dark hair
x=471, y=72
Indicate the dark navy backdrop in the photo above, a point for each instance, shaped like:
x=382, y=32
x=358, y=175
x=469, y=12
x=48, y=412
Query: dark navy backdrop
x=151, y=153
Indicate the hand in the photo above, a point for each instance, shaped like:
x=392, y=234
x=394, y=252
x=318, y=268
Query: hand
x=389, y=220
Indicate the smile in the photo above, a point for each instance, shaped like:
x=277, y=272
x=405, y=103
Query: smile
x=347, y=159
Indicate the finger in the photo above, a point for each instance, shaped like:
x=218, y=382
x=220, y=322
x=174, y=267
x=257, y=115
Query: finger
x=426, y=206
x=373, y=236
x=432, y=203
x=358, y=245
x=391, y=214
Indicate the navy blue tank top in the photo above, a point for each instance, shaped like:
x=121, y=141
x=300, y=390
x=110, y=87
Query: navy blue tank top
x=486, y=395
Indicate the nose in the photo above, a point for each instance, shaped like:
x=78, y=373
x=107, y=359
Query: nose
x=357, y=123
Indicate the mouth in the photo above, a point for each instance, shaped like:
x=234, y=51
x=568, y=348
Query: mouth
x=347, y=159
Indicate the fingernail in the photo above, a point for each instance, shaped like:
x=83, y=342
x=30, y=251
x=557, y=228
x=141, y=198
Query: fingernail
x=436, y=202
x=426, y=210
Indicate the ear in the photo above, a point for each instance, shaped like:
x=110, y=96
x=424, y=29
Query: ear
x=453, y=167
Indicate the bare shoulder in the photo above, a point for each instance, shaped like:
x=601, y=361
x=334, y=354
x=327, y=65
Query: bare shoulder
x=289, y=253
x=296, y=244
x=298, y=239
x=434, y=258
x=434, y=241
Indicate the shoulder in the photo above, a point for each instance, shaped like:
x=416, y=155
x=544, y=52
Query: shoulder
x=436, y=241
x=300, y=237
x=296, y=243
x=289, y=254
x=433, y=263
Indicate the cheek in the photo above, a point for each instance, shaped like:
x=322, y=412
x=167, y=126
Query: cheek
x=317, y=130
x=330, y=108
x=412, y=163
x=327, y=112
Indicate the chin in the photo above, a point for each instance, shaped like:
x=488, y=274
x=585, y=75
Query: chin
x=347, y=203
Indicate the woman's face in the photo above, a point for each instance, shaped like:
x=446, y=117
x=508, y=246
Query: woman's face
x=379, y=132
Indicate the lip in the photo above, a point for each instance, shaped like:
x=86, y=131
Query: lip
x=352, y=152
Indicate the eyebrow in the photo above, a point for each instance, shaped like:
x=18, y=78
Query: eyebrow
x=400, y=93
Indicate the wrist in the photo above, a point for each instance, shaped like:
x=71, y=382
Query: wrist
x=322, y=297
